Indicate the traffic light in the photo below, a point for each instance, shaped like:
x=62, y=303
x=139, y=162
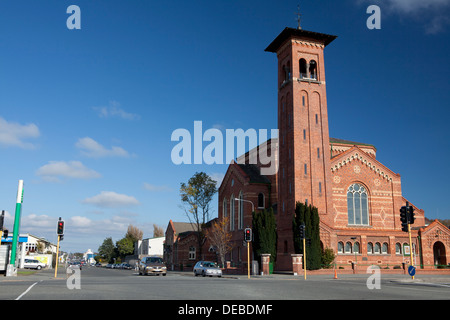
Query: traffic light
x=2, y=219
x=60, y=230
x=411, y=215
x=5, y=234
x=248, y=234
x=302, y=231
x=404, y=218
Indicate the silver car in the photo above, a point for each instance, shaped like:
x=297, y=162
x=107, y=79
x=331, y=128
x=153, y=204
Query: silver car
x=152, y=265
x=207, y=268
x=33, y=264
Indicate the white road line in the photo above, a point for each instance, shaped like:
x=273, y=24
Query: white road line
x=26, y=291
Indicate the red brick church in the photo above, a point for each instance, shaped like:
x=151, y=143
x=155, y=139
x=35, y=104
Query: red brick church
x=358, y=197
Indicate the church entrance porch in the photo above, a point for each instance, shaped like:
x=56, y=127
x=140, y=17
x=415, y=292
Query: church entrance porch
x=439, y=256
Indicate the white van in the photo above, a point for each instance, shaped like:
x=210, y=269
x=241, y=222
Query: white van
x=33, y=264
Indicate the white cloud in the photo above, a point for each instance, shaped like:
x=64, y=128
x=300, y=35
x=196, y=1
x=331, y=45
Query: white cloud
x=91, y=148
x=110, y=199
x=81, y=222
x=114, y=110
x=13, y=134
x=412, y=6
x=432, y=14
x=37, y=224
x=72, y=169
x=156, y=188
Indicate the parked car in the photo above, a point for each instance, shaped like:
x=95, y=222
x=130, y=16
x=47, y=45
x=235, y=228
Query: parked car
x=207, y=268
x=152, y=265
x=75, y=264
x=33, y=264
x=125, y=266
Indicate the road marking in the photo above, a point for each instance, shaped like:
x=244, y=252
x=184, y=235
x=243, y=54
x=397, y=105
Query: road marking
x=26, y=291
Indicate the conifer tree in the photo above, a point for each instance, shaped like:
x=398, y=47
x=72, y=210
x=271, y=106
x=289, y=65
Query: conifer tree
x=309, y=216
x=264, y=234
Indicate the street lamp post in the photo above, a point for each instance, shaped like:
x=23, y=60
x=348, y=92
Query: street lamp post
x=253, y=206
x=248, y=243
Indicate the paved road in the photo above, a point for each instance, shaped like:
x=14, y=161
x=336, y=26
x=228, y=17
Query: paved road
x=113, y=284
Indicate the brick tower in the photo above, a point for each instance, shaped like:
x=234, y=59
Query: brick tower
x=304, y=152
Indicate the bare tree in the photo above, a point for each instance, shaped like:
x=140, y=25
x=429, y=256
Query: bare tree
x=196, y=198
x=157, y=231
x=134, y=233
x=220, y=237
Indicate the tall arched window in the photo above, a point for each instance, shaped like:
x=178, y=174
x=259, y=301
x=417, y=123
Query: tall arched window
x=232, y=212
x=224, y=208
x=261, y=200
x=241, y=211
x=340, y=247
x=357, y=205
x=313, y=69
x=303, y=71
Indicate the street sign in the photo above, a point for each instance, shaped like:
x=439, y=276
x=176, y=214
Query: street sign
x=411, y=271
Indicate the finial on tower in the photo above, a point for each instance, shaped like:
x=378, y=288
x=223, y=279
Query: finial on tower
x=298, y=17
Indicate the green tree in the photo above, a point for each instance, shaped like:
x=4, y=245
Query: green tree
x=264, y=229
x=196, y=198
x=328, y=258
x=125, y=246
x=106, y=250
x=309, y=216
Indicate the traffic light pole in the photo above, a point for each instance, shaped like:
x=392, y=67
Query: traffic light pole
x=304, y=256
x=57, y=254
x=248, y=258
x=410, y=247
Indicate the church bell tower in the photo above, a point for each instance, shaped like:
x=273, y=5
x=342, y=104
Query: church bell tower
x=303, y=140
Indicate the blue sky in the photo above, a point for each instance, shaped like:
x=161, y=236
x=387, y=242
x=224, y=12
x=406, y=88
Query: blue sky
x=86, y=116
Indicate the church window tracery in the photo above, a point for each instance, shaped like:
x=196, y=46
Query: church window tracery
x=357, y=205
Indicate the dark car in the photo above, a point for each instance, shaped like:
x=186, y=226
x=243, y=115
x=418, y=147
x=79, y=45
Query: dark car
x=152, y=265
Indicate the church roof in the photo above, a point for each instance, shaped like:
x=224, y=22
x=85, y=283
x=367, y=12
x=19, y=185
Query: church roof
x=335, y=140
x=299, y=33
x=254, y=174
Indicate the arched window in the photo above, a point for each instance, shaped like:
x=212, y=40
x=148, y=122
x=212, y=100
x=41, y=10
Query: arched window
x=288, y=72
x=241, y=211
x=192, y=253
x=377, y=249
x=357, y=205
x=370, y=248
x=303, y=71
x=340, y=247
x=348, y=247
x=232, y=201
x=384, y=248
x=313, y=69
x=261, y=200
x=224, y=208
x=398, y=248
x=356, y=247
